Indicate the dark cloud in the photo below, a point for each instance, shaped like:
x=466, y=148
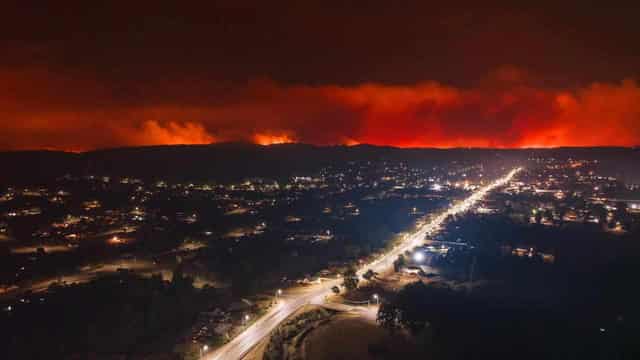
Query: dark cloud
x=319, y=42
x=84, y=75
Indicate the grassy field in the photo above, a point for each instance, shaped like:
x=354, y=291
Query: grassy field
x=352, y=337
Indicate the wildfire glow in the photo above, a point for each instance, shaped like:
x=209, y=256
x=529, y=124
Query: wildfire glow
x=115, y=240
x=425, y=114
x=264, y=139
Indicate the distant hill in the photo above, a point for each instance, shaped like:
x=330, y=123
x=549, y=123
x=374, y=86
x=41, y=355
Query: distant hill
x=231, y=161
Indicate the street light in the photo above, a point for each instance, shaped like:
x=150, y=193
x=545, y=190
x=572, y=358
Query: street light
x=203, y=349
x=279, y=292
x=418, y=256
x=376, y=298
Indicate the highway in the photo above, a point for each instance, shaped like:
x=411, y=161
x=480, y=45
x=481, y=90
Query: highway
x=238, y=347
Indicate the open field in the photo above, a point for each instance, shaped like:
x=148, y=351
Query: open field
x=353, y=337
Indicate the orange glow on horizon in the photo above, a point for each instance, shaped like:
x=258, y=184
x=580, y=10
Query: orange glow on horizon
x=425, y=114
x=351, y=142
x=264, y=139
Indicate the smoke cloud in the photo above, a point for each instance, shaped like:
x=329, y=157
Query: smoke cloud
x=39, y=110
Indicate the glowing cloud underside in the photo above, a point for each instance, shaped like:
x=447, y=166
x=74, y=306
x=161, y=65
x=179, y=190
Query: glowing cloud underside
x=502, y=114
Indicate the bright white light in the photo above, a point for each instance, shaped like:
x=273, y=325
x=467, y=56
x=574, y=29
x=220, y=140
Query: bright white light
x=436, y=187
x=205, y=347
x=418, y=256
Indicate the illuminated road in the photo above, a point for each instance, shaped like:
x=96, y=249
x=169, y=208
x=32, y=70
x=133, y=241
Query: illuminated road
x=241, y=344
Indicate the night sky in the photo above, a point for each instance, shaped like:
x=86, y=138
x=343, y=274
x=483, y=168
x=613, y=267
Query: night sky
x=84, y=76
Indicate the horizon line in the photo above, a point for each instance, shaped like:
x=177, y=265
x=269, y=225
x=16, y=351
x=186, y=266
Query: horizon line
x=69, y=151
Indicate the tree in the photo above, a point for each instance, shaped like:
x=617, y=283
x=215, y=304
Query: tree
x=181, y=283
x=508, y=208
x=389, y=316
x=399, y=263
x=416, y=306
x=562, y=211
x=369, y=274
x=538, y=216
x=243, y=278
x=600, y=213
x=350, y=279
x=621, y=215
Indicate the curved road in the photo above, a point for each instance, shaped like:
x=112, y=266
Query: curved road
x=239, y=346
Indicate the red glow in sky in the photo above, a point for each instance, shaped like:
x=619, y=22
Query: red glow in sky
x=82, y=77
x=502, y=112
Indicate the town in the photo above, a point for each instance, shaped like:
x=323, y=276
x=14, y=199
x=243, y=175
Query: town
x=236, y=246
